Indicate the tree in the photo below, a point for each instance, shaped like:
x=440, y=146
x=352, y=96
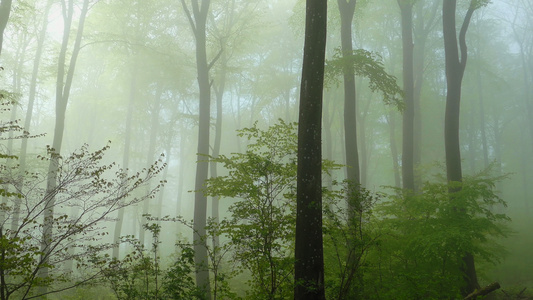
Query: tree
x=347, y=9
x=31, y=100
x=5, y=11
x=260, y=228
x=408, y=176
x=197, y=21
x=455, y=67
x=80, y=182
x=63, y=86
x=309, y=257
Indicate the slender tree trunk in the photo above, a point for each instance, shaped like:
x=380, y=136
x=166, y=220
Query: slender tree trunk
x=422, y=28
x=408, y=175
x=5, y=11
x=394, y=149
x=309, y=257
x=481, y=111
x=181, y=175
x=154, y=130
x=455, y=67
x=126, y=156
x=219, y=93
x=19, y=56
x=198, y=20
x=29, y=111
x=347, y=9
x=63, y=86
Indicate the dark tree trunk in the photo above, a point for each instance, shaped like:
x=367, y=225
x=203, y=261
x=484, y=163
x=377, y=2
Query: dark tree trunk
x=5, y=11
x=455, y=66
x=347, y=9
x=309, y=256
x=408, y=175
x=198, y=20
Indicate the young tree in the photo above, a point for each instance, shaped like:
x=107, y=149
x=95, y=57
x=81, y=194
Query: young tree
x=455, y=67
x=261, y=226
x=309, y=256
x=81, y=181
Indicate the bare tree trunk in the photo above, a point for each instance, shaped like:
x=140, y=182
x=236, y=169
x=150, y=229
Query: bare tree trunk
x=455, y=67
x=394, y=149
x=422, y=28
x=63, y=86
x=408, y=175
x=309, y=256
x=154, y=130
x=347, y=9
x=126, y=155
x=219, y=92
x=29, y=111
x=198, y=20
x=5, y=11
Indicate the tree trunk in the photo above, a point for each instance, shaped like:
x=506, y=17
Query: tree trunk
x=126, y=156
x=219, y=92
x=198, y=25
x=154, y=130
x=347, y=9
x=309, y=256
x=422, y=28
x=29, y=111
x=408, y=176
x=455, y=67
x=391, y=120
x=5, y=11
x=63, y=86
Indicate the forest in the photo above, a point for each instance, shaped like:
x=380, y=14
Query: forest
x=266, y=149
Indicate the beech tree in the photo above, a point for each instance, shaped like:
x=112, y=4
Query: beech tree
x=346, y=10
x=63, y=86
x=408, y=176
x=198, y=20
x=455, y=67
x=309, y=256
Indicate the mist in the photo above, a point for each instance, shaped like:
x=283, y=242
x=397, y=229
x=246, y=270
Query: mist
x=152, y=149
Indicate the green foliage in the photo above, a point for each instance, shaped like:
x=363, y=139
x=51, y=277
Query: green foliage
x=139, y=274
x=348, y=239
x=423, y=238
x=83, y=183
x=261, y=226
x=366, y=64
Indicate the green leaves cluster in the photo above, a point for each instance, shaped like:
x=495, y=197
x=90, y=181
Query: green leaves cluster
x=94, y=189
x=423, y=238
x=260, y=228
x=139, y=274
x=366, y=64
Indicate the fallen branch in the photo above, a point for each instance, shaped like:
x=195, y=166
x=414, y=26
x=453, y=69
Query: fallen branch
x=484, y=291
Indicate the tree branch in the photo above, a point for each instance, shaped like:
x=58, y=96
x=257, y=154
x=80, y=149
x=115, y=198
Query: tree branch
x=214, y=59
x=462, y=34
x=189, y=16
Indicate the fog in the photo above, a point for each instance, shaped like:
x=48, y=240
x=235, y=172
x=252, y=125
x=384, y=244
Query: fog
x=144, y=157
